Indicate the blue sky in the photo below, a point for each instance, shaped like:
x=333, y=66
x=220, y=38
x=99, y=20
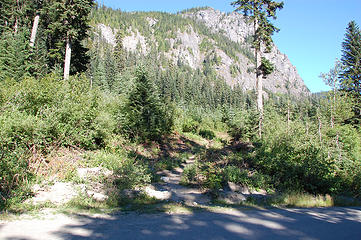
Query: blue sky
x=311, y=33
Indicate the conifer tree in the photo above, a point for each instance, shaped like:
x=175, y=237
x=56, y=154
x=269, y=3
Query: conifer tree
x=119, y=52
x=259, y=12
x=68, y=23
x=350, y=78
x=146, y=117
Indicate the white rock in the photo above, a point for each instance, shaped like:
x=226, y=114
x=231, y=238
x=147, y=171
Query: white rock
x=100, y=197
x=164, y=179
x=160, y=195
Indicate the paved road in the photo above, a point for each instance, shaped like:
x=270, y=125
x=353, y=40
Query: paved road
x=310, y=224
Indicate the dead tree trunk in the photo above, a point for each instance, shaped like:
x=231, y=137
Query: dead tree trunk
x=67, y=58
x=34, y=30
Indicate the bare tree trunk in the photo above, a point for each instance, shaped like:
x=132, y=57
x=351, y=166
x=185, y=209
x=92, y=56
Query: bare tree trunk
x=67, y=58
x=333, y=111
x=259, y=85
x=260, y=102
x=34, y=30
x=17, y=17
x=16, y=25
x=319, y=128
x=288, y=115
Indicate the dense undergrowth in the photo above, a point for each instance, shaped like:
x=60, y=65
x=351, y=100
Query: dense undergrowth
x=299, y=151
x=136, y=121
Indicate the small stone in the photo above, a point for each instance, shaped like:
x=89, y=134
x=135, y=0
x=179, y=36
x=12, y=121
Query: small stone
x=164, y=179
x=234, y=187
x=232, y=197
x=99, y=197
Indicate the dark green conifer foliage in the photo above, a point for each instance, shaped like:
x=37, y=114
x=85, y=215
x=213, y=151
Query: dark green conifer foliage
x=119, y=52
x=350, y=78
x=15, y=57
x=67, y=19
x=146, y=117
x=259, y=12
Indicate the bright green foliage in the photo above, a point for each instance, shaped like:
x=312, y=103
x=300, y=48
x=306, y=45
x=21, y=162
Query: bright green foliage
x=189, y=174
x=350, y=78
x=309, y=155
x=242, y=125
x=38, y=113
x=147, y=118
x=253, y=180
x=190, y=125
x=132, y=175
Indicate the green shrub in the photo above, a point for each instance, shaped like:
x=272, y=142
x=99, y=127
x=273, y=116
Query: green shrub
x=189, y=174
x=303, y=157
x=213, y=177
x=242, y=125
x=208, y=134
x=110, y=160
x=190, y=125
x=131, y=175
x=14, y=172
x=236, y=175
x=38, y=113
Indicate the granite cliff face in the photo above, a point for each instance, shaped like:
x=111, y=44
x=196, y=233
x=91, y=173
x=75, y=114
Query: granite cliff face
x=235, y=27
x=193, y=46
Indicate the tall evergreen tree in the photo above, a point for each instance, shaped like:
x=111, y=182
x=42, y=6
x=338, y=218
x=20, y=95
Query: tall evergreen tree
x=67, y=27
x=260, y=11
x=146, y=117
x=350, y=78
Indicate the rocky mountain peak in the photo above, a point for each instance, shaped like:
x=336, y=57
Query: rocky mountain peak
x=235, y=26
x=208, y=38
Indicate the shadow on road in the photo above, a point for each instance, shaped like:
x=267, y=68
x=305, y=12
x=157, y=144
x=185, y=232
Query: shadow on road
x=324, y=223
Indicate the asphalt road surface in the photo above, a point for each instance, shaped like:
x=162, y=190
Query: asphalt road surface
x=305, y=224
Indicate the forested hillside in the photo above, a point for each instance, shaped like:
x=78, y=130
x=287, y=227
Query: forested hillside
x=194, y=40
x=128, y=95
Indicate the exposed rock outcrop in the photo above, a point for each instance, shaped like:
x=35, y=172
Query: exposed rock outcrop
x=185, y=47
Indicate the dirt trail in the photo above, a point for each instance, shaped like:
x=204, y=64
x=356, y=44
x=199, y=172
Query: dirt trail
x=171, y=189
x=179, y=193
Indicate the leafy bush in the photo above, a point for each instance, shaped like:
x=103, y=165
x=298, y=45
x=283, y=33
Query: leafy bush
x=190, y=125
x=242, y=124
x=131, y=175
x=208, y=134
x=310, y=159
x=38, y=113
x=236, y=175
x=14, y=173
x=254, y=180
x=213, y=177
x=189, y=174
